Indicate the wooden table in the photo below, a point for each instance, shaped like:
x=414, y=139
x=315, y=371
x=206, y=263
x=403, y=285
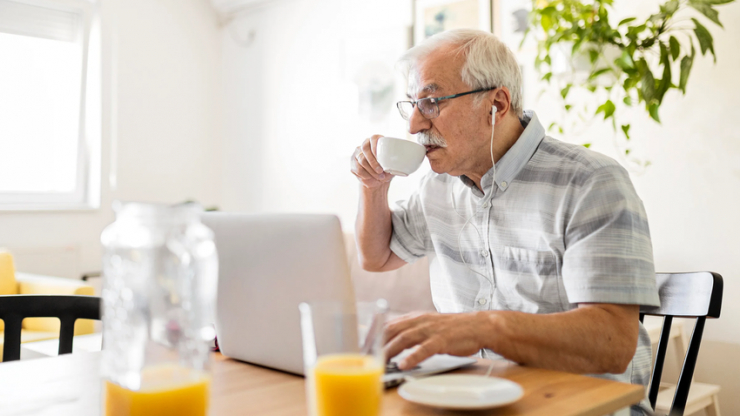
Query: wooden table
x=70, y=385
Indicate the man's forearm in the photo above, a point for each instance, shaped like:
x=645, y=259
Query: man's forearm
x=374, y=227
x=591, y=339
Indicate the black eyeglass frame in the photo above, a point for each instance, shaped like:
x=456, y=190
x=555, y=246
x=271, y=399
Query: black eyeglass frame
x=435, y=101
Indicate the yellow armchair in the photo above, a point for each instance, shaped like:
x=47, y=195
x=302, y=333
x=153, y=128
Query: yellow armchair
x=39, y=329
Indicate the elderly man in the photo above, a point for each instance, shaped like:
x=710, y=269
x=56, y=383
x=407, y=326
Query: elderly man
x=542, y=257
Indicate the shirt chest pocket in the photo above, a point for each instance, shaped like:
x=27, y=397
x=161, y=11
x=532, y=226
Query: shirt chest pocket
x=530, y=280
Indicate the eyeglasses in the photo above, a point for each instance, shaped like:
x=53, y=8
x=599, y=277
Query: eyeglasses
x=429, y=107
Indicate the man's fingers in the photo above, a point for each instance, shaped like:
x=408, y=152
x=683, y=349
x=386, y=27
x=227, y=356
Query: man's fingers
x=425, y=350
x=374, y=143
x=369, y=154
x=398, y=325
x=404, y=340
x=360, y=168
x=364, y=162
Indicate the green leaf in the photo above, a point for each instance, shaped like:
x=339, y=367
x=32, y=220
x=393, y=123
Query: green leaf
x=653, y=109
x=576, y=46
x=626, y=130
x=593, y=55
x=626, y=152
x=627, y=20
x=587, y=145
x=670, y=7
x=633, y=31
x=628, y=100
x=665, y=80
x=630, y=82
x=599, y=72
x=648, y=85
x=547, y=76
x=553, y=124
x=568, y=107
x=564, y=91
x=717, y=1
x=686, y=63
x=607, y=108
x=625, y=61
x=546, y=23
x=707, y=10
x=705, y=38
x=675, y=47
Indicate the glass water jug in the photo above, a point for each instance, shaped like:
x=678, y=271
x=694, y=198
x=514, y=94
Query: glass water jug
x=160, y=270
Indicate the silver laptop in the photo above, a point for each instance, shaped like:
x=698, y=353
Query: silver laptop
x=270, y=263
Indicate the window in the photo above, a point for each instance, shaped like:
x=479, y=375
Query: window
x=49, y=105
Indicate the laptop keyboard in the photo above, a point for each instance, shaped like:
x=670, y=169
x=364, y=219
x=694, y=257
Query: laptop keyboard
x=392, y=368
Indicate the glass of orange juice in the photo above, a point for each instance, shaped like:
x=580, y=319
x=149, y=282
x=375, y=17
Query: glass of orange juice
x=343, y=357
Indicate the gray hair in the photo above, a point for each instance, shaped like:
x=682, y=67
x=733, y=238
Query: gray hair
x=488, y=61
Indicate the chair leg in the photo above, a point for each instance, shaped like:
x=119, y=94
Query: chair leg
x=713, y=409
x=66, y=335
x=12, y=335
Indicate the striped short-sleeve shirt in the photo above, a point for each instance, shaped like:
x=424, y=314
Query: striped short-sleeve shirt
x=563, y=226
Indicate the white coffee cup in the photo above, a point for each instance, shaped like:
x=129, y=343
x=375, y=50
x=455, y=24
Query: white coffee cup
x=399, y=157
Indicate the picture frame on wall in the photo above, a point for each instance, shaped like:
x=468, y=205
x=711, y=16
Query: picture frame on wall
x=434, y=16
x=510, y=21
x=507, y=19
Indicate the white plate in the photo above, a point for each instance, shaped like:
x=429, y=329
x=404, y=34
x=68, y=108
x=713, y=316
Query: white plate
x=461, y=391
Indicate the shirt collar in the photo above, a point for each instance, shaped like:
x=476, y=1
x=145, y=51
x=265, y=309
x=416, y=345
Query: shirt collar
x=509, y=166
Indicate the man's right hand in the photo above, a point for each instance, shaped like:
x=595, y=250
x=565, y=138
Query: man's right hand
x=365, y=166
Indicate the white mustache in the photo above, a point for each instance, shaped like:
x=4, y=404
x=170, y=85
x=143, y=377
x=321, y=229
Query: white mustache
x=430, y=138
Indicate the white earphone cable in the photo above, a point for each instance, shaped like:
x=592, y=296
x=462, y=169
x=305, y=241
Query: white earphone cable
x=494, y=110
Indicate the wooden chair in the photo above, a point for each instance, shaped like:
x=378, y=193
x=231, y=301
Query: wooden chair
x=701, y=395
x=68, y=308
x=697, y=295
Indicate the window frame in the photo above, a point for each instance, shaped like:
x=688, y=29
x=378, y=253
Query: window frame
x=86, y=195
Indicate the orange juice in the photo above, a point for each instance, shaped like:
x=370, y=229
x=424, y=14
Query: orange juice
x=166, y=390
x=348, y=384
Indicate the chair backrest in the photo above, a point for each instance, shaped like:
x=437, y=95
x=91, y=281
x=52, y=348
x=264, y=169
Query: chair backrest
x=68, y=308
x=697, y=295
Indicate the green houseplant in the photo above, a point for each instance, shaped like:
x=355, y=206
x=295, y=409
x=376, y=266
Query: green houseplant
x=641, y=59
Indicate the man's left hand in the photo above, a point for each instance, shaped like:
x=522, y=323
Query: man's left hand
x=435, y=333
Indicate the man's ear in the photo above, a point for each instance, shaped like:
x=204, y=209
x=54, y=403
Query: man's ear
x=501, y=99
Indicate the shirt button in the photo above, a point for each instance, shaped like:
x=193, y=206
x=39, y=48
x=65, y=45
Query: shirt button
x=486, y=205
x=482, y=301
x=484, y=253
x=503, y=184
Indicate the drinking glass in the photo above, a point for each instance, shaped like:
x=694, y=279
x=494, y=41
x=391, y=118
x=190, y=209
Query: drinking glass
x=343, y=357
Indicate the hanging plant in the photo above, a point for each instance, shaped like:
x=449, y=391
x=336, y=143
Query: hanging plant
x=634, y=62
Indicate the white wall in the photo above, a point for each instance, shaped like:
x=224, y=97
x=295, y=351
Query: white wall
x=291, y=100
x=168, y=110
x=169, y=100
x=292, y=123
